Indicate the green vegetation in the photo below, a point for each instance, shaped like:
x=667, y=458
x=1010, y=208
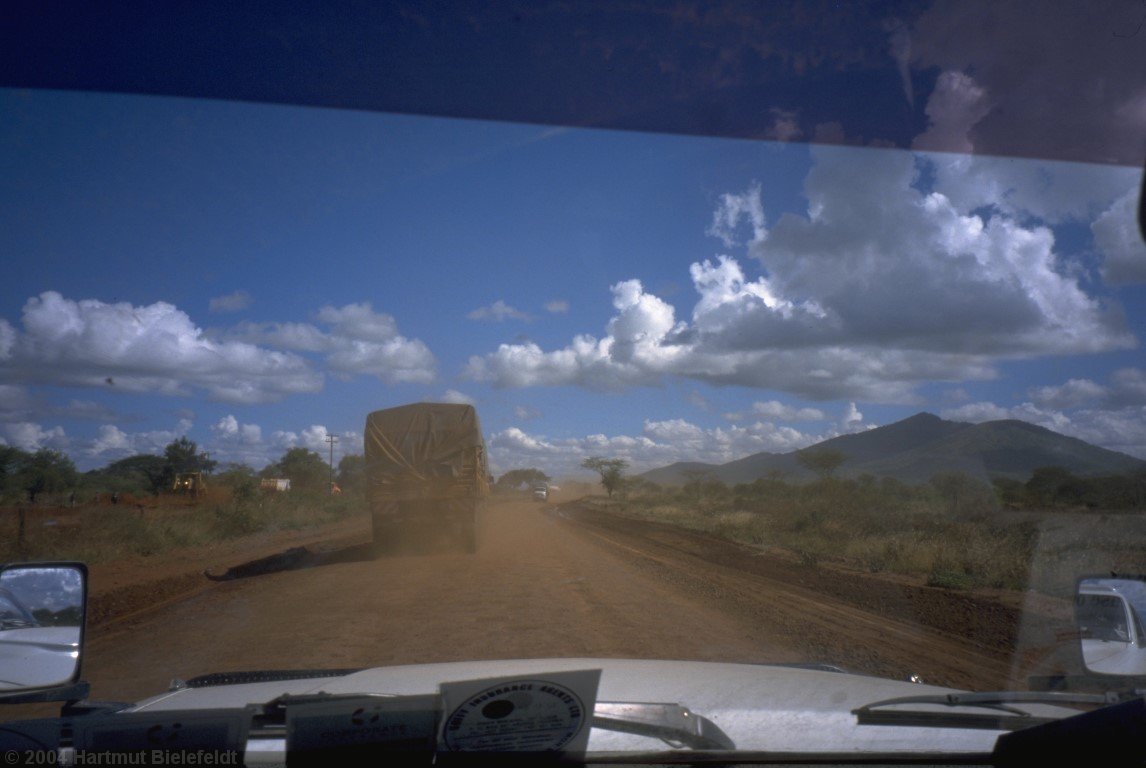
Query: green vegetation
x=352, y=474
x=1058, y=488
x=33, y=474
x=51, y=511
x=612, y=472
x=953, y=531
x=108, y=532
x=306, y=470
x=822, y=461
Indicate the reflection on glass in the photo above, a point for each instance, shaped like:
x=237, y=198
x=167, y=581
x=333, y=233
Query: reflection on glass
x=1109, y=614
x=41, y=614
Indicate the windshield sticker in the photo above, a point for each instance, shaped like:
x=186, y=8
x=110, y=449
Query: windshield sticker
x=541, y=713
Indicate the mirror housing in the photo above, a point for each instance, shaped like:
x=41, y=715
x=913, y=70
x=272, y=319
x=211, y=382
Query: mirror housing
x=43, y=608
x=1109, y=615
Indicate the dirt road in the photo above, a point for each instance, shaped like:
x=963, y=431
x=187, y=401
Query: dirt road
x=547, y=581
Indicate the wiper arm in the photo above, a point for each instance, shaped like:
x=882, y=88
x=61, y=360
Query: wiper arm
x=1011, y=719
x=671, y=723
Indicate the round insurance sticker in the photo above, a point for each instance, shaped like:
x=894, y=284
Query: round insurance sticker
x=516, y=716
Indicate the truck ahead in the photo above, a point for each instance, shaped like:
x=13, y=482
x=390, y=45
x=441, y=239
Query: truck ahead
x=426, y=477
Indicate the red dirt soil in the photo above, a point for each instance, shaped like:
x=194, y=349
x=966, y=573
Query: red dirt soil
x=548, y=580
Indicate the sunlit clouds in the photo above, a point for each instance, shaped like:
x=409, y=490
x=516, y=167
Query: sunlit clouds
x=878, y=287
x=151, y=348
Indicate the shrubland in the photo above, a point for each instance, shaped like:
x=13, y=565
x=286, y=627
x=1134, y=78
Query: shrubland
x=953, y=531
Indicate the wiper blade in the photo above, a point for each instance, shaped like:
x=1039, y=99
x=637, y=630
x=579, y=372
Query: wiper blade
x=672, y=723
x=1011, y=718
x=259, y=676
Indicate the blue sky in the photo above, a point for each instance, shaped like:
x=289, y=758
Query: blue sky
x=258, y=277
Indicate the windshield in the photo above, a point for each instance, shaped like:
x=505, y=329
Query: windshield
x=809, y=390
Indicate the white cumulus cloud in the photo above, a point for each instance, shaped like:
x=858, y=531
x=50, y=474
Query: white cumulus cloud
x=111, y=440
x=112, y=443
x=151, y=348
x=875, y=288
x=659, y=443
x=735, y=212
x=357, y=341
x=454, y=396
x=776, y=411
x=228, y=429
x=29, y=436
x=1117, y=428
x=1069, y=395
x=1118, y=238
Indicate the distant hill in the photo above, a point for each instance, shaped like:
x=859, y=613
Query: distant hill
x=918, y=447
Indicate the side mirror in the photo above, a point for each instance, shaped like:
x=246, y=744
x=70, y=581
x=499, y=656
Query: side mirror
x=1108, y=613
x=41, y=631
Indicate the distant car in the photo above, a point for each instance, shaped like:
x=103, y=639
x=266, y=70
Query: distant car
x=541, y=493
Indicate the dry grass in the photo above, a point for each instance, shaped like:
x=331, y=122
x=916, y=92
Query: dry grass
x=881, y=527
x=95, y=534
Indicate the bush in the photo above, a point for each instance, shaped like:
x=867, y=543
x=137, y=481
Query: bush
x=236, y=520
x=946, y=532
x=101, y=533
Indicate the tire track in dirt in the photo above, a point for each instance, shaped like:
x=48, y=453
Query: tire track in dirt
x=816, y=626
x=547, y=581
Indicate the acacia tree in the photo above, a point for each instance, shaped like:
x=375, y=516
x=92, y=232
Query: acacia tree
x=145, y=468
x=183, y=455
x=700, y=483
x=612, y=471
x=45, y=470
x=823, y=461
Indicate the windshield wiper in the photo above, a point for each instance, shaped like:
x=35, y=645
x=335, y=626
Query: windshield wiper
x=1006, y=717
x=672, y=723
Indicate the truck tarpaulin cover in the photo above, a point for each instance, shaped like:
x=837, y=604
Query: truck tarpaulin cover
x=425, y=450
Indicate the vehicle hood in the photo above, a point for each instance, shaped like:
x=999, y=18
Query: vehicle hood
x=1110, y=657
x=35, y=656
x=760, y=707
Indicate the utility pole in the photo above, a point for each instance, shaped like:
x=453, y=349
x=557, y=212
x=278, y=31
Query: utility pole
x=332, y=439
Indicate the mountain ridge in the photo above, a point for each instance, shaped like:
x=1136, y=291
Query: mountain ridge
x=918, y=447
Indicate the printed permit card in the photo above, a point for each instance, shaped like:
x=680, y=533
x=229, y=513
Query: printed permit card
x=533, y=713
